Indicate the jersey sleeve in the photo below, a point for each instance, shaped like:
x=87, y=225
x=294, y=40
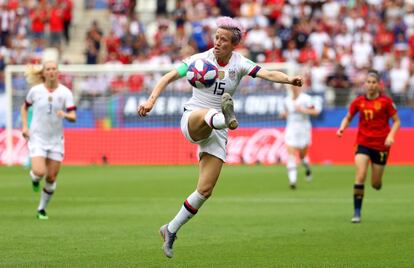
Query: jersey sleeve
x=353, y=108
x=69, y=104
x=391, y=108
x=248, y=67
x=29, y=98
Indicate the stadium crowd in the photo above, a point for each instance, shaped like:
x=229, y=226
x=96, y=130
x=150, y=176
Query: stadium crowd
x=30, y=26
x=334, y=41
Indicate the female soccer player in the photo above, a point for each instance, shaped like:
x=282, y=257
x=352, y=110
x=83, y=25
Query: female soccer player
x=51, y=103
x=208, y=115
x=297, y=110
x=374, y=136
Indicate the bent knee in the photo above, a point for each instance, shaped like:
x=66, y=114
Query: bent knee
x=39, y=173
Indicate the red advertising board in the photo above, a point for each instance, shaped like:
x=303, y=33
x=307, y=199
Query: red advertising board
x=167, y=146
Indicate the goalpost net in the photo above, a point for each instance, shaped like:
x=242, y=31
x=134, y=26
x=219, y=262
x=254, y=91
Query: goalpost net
x=109, y=131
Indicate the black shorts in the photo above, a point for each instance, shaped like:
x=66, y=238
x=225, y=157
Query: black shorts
x=377, y=157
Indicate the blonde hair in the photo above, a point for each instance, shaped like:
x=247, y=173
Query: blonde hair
x=34, y=75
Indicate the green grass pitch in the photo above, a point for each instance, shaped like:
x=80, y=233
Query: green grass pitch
x=104, y=216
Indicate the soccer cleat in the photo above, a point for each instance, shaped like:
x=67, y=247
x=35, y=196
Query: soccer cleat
x=169, y=239
x=292, y=186
x=356, y=219
x=35, y=186
x=41, y=215
x=308, y=175
x=227, y=107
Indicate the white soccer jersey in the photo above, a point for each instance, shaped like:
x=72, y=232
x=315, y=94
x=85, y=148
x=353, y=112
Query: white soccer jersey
x=46, y=128
x=298, y=127
x=228, y=79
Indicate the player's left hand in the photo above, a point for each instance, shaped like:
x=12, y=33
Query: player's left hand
x=61, y=114
x=145, y=108
x=296, y=81
x=299, y=109
x=389, y=141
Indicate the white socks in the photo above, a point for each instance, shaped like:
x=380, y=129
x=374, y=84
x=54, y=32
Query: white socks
x=187, y=211
x=46, y=194
x=292, y=171
x=34, y=177
x=215, y=119
x=305, y=162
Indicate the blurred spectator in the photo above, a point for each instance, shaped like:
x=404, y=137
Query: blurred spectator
x=341, y=85
x=318, y=74
x=307, y=54
x=410, y=93
x=399, y=78
x=91, y=52
x=255, y=41
x=67, y=6
x=161, y=9
x=91, y=87
x=318, y=38
x=38, y=18
x=118, y=84
x=316, y=34
x=55, y=25
x=7, y=19
x=362, y=52
x=291, y=54
x=94, y=35
x=135, y=82
x=343, y=38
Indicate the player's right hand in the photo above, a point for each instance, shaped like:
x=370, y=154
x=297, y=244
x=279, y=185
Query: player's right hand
x=339, y=132
x=25, y=133
x=145, y=108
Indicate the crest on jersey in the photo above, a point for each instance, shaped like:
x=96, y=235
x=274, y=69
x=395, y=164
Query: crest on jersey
x=377, y=105
x=232, y=74
x=221, y=75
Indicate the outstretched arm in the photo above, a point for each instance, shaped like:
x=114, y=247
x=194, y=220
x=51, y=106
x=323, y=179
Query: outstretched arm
x=169, y=77
x=344, y=124
x=279, y=77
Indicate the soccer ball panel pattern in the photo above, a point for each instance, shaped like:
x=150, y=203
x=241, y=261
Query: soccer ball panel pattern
x=202, y=73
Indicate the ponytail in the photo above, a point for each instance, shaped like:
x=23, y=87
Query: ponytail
x=34, y=75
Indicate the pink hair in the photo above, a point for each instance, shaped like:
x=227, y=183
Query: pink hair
x=227, y=22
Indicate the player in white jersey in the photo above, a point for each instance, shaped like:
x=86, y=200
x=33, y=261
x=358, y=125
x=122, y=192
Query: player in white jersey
x=51, y=102
x=297, y=109
x=208, y=115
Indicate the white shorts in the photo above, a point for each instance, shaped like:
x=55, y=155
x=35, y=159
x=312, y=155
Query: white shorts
x=214, y=145
x=55, y=153
x=297, y=137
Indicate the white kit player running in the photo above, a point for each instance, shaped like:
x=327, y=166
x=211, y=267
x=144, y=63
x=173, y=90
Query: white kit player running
x=51, y=102
x=297, y=109
x=208, y=115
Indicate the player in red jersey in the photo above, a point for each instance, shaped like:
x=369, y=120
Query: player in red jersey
x=374, y=136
